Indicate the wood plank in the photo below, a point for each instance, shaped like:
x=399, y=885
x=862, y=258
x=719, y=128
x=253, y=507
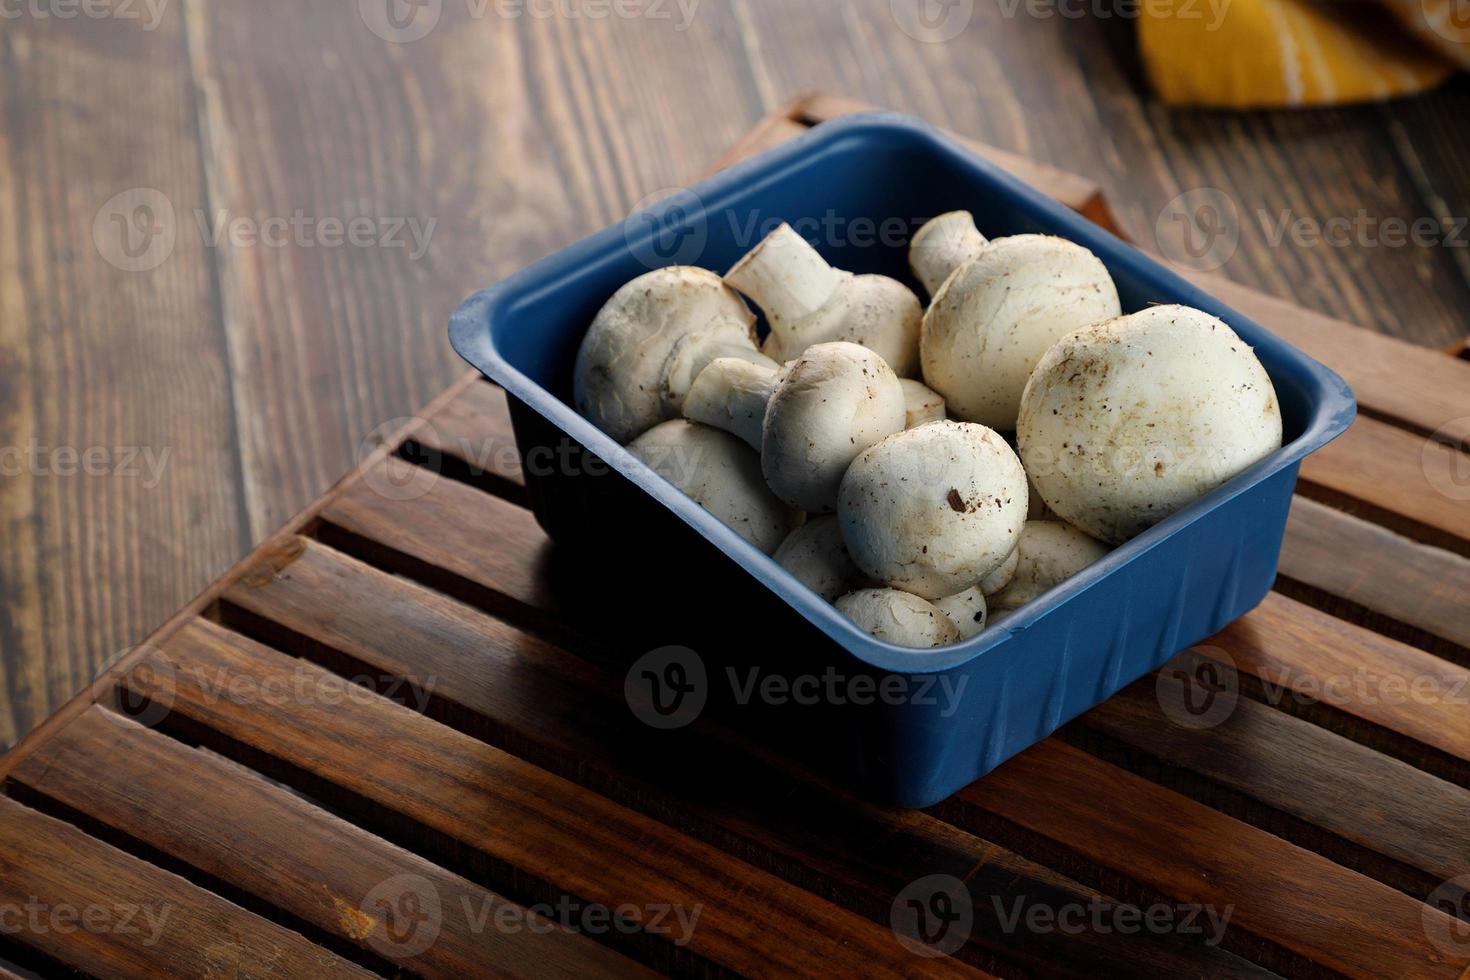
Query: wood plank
x=490, y=809
x=144, y=922
x=118, y=457
x=1283, y=642
x=1180, y=849
x=366, y=522
x=240, y=829
x=1384, y=693
x=1410, y=484
x=1396, y=580
x=1291, y=767
x=494, y=126
x=471, y=439
x=556, y=709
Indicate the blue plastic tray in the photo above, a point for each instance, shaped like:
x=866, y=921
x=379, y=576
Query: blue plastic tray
x=859, y=187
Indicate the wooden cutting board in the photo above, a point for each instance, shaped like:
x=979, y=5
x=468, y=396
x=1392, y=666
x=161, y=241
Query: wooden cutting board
x=395, y=740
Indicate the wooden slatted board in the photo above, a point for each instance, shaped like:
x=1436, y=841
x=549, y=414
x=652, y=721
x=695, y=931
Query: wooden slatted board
x=394, y=740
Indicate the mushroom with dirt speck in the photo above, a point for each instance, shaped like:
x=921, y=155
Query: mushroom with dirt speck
x=933, y=510
x=899, y=618
x=1202, y=409
x=967, y=610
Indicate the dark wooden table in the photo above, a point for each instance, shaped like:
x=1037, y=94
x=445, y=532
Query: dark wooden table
x=398, y=738
x=255, y=374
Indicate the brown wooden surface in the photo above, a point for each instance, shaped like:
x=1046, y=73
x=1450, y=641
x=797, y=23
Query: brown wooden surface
x=456, y=714
x=263, y=370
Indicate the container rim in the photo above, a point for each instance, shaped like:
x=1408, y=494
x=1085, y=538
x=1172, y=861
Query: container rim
x=1332, y=405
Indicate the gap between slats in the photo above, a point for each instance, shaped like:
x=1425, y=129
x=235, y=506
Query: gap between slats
x=438, y=582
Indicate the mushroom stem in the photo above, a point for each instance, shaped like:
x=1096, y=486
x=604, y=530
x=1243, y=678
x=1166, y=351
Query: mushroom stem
x=785, y=276
x=731, y=393
x=696, y=352
x=941, y=246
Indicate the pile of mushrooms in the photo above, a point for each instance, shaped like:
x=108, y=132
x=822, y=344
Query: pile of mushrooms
x=1047, y=426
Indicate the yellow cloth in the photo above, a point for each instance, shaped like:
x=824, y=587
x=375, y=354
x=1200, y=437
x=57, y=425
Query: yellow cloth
x=1270, y=53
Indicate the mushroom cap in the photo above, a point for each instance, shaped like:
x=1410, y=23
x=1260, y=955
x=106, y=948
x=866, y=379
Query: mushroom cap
x=933, y=510
x=921, y=403
x=880, y=313
x=815, y=554
x=995, y=317
x=1000, y=576
x=722, y=475
x=650, y=327
x=835, y=400
x=966, y=610
x=898, y=617
x=1049, y=552
x=1125, y=422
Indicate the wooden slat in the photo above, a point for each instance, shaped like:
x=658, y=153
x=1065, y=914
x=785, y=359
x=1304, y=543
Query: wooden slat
x=371, y=523
x=1291, y=766
x=239, y=829
x=559, y=711
x=1394, y=477
x=1175, y=847
x=1389, y=575
x=471, y=437
x=512, y=814
x=1383, y=692
x=158, y=925
x=1302, y=665
x=1284, y=641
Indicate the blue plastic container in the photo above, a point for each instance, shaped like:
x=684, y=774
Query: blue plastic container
x=859, y=187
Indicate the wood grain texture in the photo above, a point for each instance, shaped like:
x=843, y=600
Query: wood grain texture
x=1418, y=486
x=145, y=922
x=1063, y=796
x=1382, y=692
x=487, y=678
x=1391, y=580
x=119, y=491
x=495, y=129
x=240, y=830
x=485, y=802
x=1371, y=807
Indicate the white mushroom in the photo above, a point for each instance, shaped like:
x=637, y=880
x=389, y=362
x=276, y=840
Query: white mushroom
x=650, y=340
x=898, y=617
x=933, y=510
x=815, y=554
x=1050, y=552
x=920, y=403
x=966, y=610
x=720, y=473
x=1125, y=422
x=808, y=419
x=995, y=316
x=943, y=245
x=1001, y=575
x=807, y=301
